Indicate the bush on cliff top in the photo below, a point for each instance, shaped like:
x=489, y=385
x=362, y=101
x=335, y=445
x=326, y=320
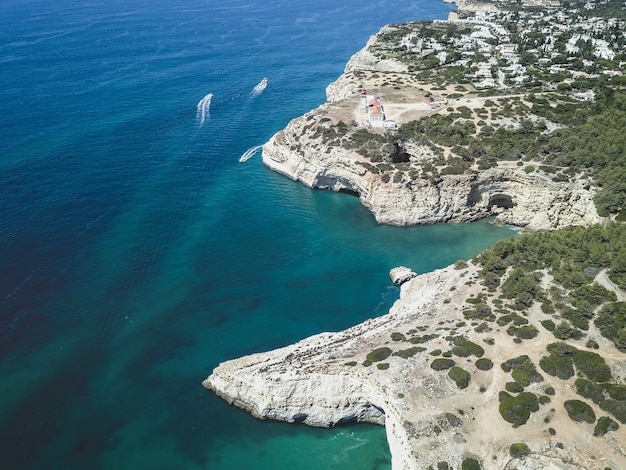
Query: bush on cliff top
x=460, y=376
x=379, y=354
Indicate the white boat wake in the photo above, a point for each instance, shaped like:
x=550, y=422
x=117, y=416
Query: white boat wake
x=249, y=153
x=259, y=87
x=203, y=107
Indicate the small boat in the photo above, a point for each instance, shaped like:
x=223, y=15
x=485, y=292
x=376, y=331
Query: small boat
x=258, y=89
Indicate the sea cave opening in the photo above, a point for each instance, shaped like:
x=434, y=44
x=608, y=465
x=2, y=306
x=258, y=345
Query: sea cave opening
x=501, y=201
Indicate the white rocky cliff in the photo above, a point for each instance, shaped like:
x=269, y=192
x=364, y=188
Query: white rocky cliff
x=381, y=371
x=527, y=200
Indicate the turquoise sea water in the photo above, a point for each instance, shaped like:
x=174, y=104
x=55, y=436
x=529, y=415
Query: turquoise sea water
x=136, y=252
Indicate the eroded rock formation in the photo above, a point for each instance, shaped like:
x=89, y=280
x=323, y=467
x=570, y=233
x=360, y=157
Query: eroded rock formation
x=526, y=200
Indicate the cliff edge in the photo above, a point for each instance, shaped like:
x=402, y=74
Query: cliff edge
x=422, y=157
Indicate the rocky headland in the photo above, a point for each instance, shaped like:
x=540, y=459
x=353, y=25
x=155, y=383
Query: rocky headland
x=391, y=370
x=322, y=150
x=514, y=360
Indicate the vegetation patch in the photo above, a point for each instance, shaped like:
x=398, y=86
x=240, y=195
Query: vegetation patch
x=516, y=409
x=592, y=365
x=604, y=425
x=470, y=464
x=396, y=336
x=406, y=353
x=460, y=376
x=379, y=354
x=522, y=370
x=484, y=364
x=423, y=339
x=519, y=450
x=465, y=348
x=513, y=387
x=559, y=363
x=609, y=397
x=523, y=332
x=579, y=411
x=611, y=321
x=563, y=357
x=442, y=363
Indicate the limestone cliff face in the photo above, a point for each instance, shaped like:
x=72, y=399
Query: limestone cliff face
x=315, y=381
x=527, y=200
x=270, y=388
x=383, y=371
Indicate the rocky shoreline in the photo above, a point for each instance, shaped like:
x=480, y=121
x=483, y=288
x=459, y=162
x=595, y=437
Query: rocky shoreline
x=381, y=371
x=534, y=201
x=329, y=379
x=300, y=151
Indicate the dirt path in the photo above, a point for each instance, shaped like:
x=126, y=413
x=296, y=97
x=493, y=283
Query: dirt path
x=603, y=279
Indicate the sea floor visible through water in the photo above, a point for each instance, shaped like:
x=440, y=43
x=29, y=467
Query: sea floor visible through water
x=137, y=252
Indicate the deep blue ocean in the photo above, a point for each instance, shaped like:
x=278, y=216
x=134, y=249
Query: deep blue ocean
x=137, y=252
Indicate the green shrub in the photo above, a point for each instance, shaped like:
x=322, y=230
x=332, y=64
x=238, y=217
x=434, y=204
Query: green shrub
x=351, y=363
x=516, y=409
x=379, y=354
x=616, y=407
x=579, y=411
x=604, y=425
x=460, y=376
x=484, y=364
x=442, y=364
x=470, y=464
x=522, y=370
x=460, y=264
x=549, y=391
x=423, y=339
x=523, y=332
x=435, y=352
x=559, y=363
x=611, y=321
x=592, y=365
x=519, y=450
x=594, y=294
x=590, y=390
x=395, y=336
x=513, y=387
x=615, y=391
x=406, y=353
x=464, y=347
x=383, y=365
x=564, y=330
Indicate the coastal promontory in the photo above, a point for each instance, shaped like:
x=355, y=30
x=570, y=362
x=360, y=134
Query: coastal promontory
x=515, y=359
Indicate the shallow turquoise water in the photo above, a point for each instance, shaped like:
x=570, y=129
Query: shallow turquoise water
x=137, y=252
